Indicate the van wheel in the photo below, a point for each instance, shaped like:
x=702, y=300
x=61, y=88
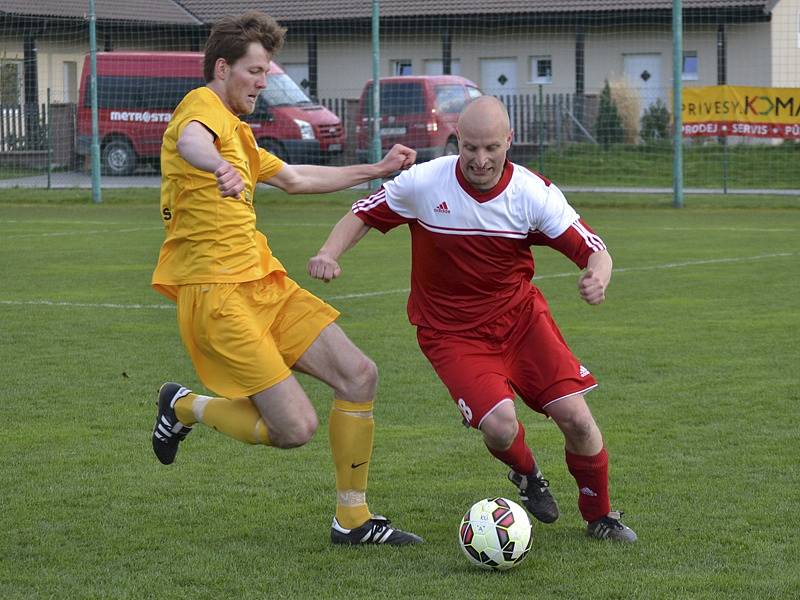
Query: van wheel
x=451, y=147
x=274, y=147
x=118, y=158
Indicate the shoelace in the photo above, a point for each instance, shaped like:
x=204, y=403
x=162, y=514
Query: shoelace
x=537, y=485
x=542, y=483
x=380, y=529
x=614, y=521
x=378, y=525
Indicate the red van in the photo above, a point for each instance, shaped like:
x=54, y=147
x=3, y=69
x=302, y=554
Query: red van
x=419, y=111
x=137, y=92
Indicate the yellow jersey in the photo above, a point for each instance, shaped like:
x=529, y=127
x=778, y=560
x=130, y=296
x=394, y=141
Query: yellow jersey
x=211, y=239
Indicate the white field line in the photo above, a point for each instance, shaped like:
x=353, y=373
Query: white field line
x=17, y=236
x=83, y=304
x=733, y=229
x=61, y=222
x=616, y=270
x=676, y=265
x=273, y=225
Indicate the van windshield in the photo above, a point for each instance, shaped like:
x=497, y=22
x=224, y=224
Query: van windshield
x=450, y=98
x=281, y=90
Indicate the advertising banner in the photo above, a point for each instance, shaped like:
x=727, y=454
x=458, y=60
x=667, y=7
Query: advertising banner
x=724, y=110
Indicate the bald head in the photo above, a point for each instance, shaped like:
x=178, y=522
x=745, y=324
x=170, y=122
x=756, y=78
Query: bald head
x=485, y=113
x=484, y=137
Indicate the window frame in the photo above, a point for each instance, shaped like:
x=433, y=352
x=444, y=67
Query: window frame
x=534, y=76
x=20, y=82
x=685, y=75
x=399, y=65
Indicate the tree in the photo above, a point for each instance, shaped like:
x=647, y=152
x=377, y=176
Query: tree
x=655, y=122
x=608, y=127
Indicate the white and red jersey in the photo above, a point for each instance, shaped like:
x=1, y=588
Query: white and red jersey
x=471, y=258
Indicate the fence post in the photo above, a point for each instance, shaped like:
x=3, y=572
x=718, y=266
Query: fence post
x=725, y=165
x=541, y=131
x=558, y=111
x=677, y=93
x=95, y=148
x=375, y=152
x=49, y=141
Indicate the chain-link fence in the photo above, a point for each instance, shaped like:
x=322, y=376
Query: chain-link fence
x=588, y=84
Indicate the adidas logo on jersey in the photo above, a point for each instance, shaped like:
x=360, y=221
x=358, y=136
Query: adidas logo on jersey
x=442, y=208
x=584, y=371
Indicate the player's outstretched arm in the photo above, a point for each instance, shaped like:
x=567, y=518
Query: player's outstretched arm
x=196, y=146
x=314, y=179
x=345, y=234
x=594, y=280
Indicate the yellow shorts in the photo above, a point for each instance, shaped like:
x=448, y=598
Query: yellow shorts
x=244, y=337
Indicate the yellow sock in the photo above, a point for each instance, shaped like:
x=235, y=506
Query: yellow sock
x=351, y=428
x=238, y=418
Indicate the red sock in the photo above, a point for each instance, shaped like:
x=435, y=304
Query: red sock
x=519, y=457
x=591, y=475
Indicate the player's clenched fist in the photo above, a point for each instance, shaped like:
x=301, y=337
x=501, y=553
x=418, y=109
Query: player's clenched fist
x=398, y=158
x=229, y=181
x=323, y=267
x=591, y=288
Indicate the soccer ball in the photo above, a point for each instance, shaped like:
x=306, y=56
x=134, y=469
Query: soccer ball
x=495, y=534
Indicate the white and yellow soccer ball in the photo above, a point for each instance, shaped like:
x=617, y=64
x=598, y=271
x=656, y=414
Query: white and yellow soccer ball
x=495, y=533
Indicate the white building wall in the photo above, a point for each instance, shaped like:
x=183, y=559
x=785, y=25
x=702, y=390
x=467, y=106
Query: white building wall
x=785, y=35
x=749, y=60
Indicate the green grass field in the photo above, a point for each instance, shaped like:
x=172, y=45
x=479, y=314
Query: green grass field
x=650, y=165
x=696, y=352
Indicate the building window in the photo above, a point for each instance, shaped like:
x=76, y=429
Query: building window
x=401, y=67
x=690, y=66
x=70, y=81
x=541, y=69
x=11, y=82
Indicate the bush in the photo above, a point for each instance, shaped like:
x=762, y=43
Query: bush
x=629, y=106
x=656, y=122
x=608, y=126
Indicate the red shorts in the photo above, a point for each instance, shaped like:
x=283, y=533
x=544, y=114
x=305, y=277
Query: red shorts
x=523, y=352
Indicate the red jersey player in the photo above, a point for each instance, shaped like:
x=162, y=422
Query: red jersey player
x=485, y=328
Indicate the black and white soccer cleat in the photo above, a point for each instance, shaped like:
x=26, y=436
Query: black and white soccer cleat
x=377, y=530
x=168, y=431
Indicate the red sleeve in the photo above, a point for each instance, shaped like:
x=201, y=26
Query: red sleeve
x=577, y=243
x=375, y=212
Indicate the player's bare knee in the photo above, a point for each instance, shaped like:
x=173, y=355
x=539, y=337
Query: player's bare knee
x=362, y=381
x=578, y=429
x=296, y=434
x=499, y=432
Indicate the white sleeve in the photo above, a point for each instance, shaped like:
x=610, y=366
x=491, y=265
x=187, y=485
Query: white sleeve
x=400, y=196
x=551, y=214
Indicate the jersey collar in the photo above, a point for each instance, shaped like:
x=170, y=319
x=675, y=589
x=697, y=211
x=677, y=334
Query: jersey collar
x=494, y=192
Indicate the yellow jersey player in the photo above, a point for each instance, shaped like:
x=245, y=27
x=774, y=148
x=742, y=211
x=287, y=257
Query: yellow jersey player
x=244, y=322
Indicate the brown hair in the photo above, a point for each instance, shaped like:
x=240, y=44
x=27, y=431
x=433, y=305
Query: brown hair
x=231, y=36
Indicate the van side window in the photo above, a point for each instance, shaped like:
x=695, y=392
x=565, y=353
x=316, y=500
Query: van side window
x=167, y=93
x=137, y=93
x=398, y=99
